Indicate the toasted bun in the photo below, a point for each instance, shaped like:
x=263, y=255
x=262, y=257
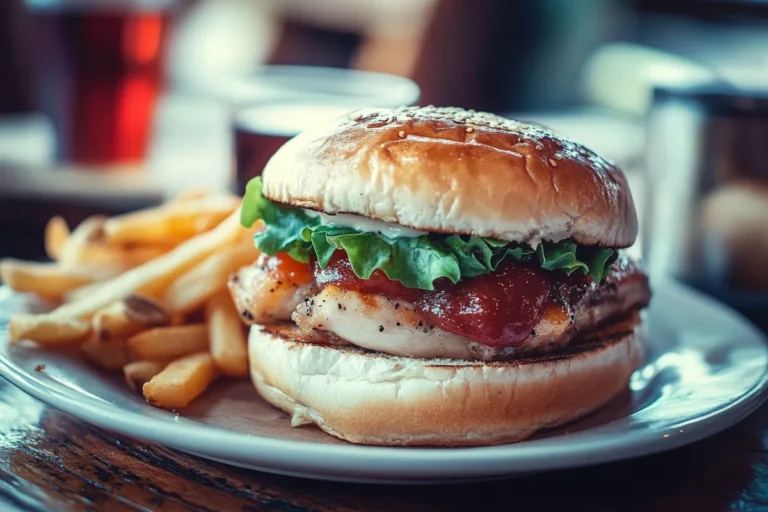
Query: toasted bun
x=373, y=398
x=454, y=171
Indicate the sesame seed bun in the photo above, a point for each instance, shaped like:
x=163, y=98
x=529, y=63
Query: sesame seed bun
x=374, y=398
x=449, y=170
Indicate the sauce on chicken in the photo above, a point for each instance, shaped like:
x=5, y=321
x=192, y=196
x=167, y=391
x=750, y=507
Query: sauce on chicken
x=289, y=269
x=498, y=309
x=339, y=272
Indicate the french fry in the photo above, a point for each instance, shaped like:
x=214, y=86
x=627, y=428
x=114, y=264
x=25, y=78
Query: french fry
x=91, y=289
x=48, y=280
x=191, y=194
x=111, y=355
x=152, y=277
x=192, y=289
x=145, y=310
x=181, y=381
x=47, y=330
x=139, y=373
x=99, y=254
x=228, y=344
x=56, y=236
x=166, y=343
x=86, y=232
x=87, y=246
x=177, y=319
x=173, y=222
x=84, y=291
x=121, y=320
x=135, y=301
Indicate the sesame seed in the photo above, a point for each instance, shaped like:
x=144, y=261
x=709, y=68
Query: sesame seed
x=539, y=148
x=470, y=129
x=401, y=134
x=552, y=163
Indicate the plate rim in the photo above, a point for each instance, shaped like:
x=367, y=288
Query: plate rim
x=382, y=464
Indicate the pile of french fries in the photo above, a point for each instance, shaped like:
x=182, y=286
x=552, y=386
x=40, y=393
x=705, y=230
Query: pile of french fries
x=144, y=293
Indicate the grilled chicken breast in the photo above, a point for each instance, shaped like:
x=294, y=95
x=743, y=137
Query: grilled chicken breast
x=263, y=294
x=393, y=327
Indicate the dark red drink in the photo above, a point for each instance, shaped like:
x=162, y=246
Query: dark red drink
x=275, y=103
x=100, y=75
x=260, y=130
x=253, y=149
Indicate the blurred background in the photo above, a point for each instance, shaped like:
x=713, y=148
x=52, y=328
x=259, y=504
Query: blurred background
x=107, y=105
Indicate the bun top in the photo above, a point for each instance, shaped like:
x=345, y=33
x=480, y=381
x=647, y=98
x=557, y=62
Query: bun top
x=450, y=170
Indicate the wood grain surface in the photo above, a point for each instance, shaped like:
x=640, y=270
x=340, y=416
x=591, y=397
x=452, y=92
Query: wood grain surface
x=50, y=461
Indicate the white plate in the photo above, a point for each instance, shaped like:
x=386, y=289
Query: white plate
x=706, y=370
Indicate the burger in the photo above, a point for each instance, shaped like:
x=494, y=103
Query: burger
x=438, y=276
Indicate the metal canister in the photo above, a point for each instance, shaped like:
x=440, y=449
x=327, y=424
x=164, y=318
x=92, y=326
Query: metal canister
x=707, y=204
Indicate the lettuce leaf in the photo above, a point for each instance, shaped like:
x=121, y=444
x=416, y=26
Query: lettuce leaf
x=599, y=261
x=415, y=262
x=284, y=225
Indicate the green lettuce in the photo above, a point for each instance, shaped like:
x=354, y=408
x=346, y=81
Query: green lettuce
x=285, y=225
x=416, y=262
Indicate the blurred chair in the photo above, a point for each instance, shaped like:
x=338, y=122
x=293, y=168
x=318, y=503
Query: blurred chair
x=487, y=54
x=15, y=43
x=373, y=36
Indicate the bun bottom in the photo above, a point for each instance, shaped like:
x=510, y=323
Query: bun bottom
x=373, y=398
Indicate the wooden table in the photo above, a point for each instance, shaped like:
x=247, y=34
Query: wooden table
x=52, y=461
